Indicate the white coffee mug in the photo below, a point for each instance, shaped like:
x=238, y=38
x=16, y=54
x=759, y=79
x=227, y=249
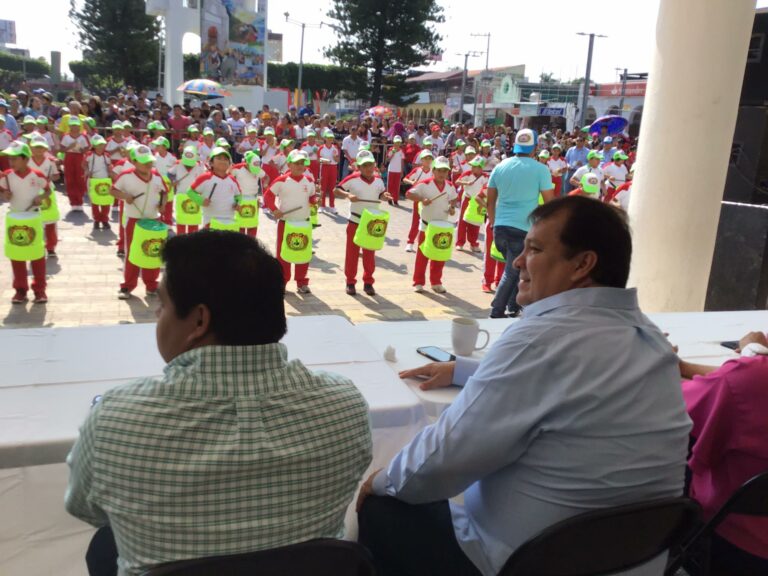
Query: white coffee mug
x=464, y=333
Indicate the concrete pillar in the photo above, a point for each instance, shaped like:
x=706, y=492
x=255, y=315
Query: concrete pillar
x=685, y=141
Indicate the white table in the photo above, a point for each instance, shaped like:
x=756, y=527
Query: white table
x=698, y=336
x=48, y=378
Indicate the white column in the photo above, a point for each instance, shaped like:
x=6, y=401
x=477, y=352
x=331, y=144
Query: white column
x=689, y=117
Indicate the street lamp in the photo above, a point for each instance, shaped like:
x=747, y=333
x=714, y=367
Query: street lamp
x=585, y=96
x=303, y=25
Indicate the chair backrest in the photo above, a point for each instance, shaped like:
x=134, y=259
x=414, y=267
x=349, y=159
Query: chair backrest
x=605, y=541
x=322, y=557
x=751, y=499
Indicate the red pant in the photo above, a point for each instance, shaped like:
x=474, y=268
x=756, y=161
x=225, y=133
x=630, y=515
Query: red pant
x=100, y=213
x=353, y=255
x=121, y=228
x=74, y=177
x=420, y=270
x=466, y=231
x=558, y=182
x=186, y=228
x=393, y=185
x=314, y=168
x=5, y=163
x=20, y=275
x=301, y=269
x=415, y=218
x=328, y=176
x=250, y=231
x=167, y=216
x=131, y=271
x=51, y=237
x=492, y=269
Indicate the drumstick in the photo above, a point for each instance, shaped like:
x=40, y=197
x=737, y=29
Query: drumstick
x=370, y=201
x=212, y=190
x=292, y=210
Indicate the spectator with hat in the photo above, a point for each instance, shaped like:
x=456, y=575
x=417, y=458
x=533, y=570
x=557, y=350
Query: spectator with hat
x=608, y=151
x=592, y=167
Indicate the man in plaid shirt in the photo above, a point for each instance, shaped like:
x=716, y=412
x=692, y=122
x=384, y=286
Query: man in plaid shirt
x=234, y=448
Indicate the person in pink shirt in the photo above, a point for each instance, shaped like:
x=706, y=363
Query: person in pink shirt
x=728, y=406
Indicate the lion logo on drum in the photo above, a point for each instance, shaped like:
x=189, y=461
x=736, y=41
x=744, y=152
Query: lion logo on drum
x=247, y=210
x=297, y=241
x=45, y=204
x=21, y=235
x=377, y=228
x=190, y=207
x=443, y=240
x=102, y=189
x=152, y=247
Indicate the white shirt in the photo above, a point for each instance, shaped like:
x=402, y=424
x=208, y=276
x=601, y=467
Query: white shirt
x=249, y=182
x=238, y=127
x=184, y=177
x=222, y=197
x=557, y=165
x=439, y=209
x=6, y=137
x=81, y=143
x=114, y=148
x=623, y=198
x=311, y=150
x=247, y=145
x=47, y=166
x=438, y=144
x=268, y=152
x=146, y=205
x=618, y=173
x=418, y=174
x=49, y=139
x=396, y=161
x=364, y=190
x=164, y=163
x=329, y=153
x=23, y=189
x=97, y=166
x=587, y=169
x=291, y=193
x=351, y=146
x=477, y=183
x=204, y=151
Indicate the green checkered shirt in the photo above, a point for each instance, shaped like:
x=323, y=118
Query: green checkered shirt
x=234, y=449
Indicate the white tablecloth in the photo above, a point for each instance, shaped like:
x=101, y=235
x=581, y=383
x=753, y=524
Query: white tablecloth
x=698, y=336
x=48, y=378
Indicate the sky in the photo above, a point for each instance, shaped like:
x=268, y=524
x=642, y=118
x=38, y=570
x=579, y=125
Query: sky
x=522, y=32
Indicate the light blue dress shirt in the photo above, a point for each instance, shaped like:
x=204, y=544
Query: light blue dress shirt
x=519, y=180
x=577, y=406
x=575, y=155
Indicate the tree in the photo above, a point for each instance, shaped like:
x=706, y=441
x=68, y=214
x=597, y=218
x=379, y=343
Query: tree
x=121, y=39
x=32, y=67
x=387, y=38
x=548, y=78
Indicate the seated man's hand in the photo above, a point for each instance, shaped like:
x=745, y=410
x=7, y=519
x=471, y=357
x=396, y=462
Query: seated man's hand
x=753, y=337
x=366, y=490
x=436, y=374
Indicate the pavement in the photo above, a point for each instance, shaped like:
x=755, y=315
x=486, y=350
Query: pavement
x=84, y=279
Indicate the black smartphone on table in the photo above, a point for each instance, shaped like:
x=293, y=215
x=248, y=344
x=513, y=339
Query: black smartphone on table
x=436, y=354
x=730, y=344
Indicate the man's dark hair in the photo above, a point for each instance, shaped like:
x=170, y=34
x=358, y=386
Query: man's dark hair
x=239, y=281
x=593, y=226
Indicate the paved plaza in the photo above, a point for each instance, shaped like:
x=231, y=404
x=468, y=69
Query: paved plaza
x=83, y=281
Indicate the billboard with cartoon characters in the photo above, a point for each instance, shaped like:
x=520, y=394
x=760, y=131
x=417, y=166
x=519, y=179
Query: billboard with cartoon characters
x=233, y=35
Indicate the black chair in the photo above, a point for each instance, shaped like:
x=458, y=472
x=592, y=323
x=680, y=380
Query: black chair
x=751, y=499
x=605, y=541
x=322, y=557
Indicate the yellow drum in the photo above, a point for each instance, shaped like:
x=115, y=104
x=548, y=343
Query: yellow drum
x=296, y=247
x=371, y=233
x=474, y=214
x=247, y=213
x=496, y=253
x=49, y=209
x=438, y=241
x=24, y=236
x=188, y=212
x=149, y=237
x=100, y=191
x=226, y=224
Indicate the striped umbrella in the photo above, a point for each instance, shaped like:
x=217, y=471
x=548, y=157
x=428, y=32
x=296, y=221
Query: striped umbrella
x=204, y=88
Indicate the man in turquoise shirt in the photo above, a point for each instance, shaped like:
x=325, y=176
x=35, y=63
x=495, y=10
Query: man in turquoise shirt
x=576, y=407
x=513, y=193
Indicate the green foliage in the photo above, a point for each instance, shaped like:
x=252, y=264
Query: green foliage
x=119, y=39
x=191, y=66
x=35, y=68
x=92, y=75
x=386, y=38
x=548, y=77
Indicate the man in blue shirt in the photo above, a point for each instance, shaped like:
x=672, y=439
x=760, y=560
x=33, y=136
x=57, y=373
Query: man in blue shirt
x=576, y=407
x=576, y=157
x=10, y=121
x=513, y=193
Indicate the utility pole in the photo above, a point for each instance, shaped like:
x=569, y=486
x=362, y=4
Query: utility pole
x=585, y=94
x=464, y=84
x=623, y=91
x=303, y=25
x=486, y=74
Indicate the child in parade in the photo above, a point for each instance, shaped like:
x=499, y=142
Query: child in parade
x=418, y=174
x=74, y=144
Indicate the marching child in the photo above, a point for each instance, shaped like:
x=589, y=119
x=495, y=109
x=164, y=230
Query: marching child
x=6, y=137
x=471, y=181
x=395, y=162
x=363, y=189
x=312, y=147
x=97, y=165
x=22, y=187
x=289, y=197
x=193, y=137
x=42, y=129
x=493, y=270
x=28, y=126
x=116, y=143
x=557, y=167
x=143, y=192
x=280, y=159
x=218, y=190
x=438, y=198
x=74, y=144
x=252, y=180
x=43, y=162
x=125, y=163
x=422, y=172
x=205, y=146
x=329, y=169
x=269, y=149
x=250, y=142
x=183, y=174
